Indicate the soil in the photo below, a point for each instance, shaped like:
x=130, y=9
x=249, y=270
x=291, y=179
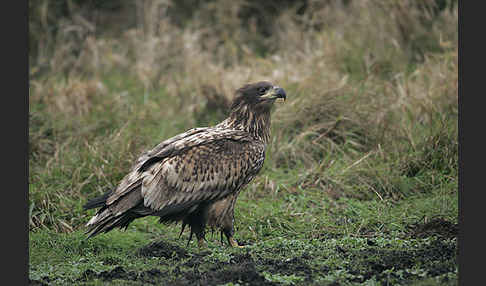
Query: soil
x=437, y=226
x=240, y=269
x=243, y=269
x=162, y=249
x=437, y=258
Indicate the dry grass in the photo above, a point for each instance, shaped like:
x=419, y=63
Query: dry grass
x=368, y=83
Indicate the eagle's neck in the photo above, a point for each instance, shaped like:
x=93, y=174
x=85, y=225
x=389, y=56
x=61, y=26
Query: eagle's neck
x=255, y=122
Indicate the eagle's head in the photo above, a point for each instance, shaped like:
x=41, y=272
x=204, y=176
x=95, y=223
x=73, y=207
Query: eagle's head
x=251, y=107
x=258, y=96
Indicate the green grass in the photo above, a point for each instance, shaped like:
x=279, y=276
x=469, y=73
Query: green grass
x=335, y=220
x=360, y=181
x=347, y=241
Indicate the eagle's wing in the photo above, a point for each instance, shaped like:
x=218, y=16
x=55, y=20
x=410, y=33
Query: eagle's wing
x=199, y=165
x=133, y=179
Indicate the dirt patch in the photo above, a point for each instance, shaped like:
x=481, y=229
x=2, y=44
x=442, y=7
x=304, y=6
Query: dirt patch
x=292, y=266
x=240, y=269
x=243, y=269
x=392, y=265
x=395, y=266
x=152, y=276
x=437, y=226
x=162, y=249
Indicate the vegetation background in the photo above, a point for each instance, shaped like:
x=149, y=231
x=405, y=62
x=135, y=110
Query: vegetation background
x=360, y=183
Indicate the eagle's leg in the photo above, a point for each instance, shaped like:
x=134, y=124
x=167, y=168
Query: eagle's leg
x=229, y=230
x=231, y=240
x=221, y=215
x=197, y=222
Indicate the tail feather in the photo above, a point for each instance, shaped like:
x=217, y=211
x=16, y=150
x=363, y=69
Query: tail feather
x=110, y=222
x=128, y=208
x=97, y=202
x=120, y=214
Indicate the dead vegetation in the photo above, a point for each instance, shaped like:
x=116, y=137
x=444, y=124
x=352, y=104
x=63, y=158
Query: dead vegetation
x=368, y=82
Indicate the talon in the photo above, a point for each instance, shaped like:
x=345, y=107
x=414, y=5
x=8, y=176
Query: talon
x=233, y=243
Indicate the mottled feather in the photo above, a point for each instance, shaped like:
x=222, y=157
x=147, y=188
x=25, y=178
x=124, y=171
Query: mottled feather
x=196, y=176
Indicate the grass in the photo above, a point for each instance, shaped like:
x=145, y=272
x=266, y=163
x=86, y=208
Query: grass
x=347, y=241
x=360, y=181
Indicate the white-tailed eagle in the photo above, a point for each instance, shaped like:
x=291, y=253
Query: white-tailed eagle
x=196, y=176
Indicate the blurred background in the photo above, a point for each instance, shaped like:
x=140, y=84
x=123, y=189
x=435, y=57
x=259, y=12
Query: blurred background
x=372, y=93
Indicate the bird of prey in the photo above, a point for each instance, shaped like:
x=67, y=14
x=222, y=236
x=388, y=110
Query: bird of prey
x=195, y=177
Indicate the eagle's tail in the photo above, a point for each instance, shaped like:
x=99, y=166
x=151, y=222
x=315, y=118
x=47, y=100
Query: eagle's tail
x=97, y=202
x=105, y=221
x=120, y=214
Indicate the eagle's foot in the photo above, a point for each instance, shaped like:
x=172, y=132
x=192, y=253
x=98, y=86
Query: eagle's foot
x=233, y=243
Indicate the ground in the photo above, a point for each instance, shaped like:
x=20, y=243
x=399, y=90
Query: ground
x=424, y=254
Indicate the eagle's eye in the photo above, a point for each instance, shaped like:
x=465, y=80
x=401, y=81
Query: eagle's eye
x=262, y=90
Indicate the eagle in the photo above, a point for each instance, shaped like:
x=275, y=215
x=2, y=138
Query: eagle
x=195, y=177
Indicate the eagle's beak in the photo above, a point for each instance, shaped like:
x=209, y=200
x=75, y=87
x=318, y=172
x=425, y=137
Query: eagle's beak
x=276, y=92
x=280, y=92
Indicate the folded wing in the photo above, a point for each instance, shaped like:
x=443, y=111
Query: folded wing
x=169, y=181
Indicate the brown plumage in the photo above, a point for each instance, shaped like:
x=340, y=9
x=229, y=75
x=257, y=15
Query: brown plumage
x=196, y=176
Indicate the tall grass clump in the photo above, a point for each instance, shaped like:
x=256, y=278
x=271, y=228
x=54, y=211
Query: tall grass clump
x=372, y=92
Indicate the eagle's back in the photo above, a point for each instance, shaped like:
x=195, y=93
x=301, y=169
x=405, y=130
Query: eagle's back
x=208, y=171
